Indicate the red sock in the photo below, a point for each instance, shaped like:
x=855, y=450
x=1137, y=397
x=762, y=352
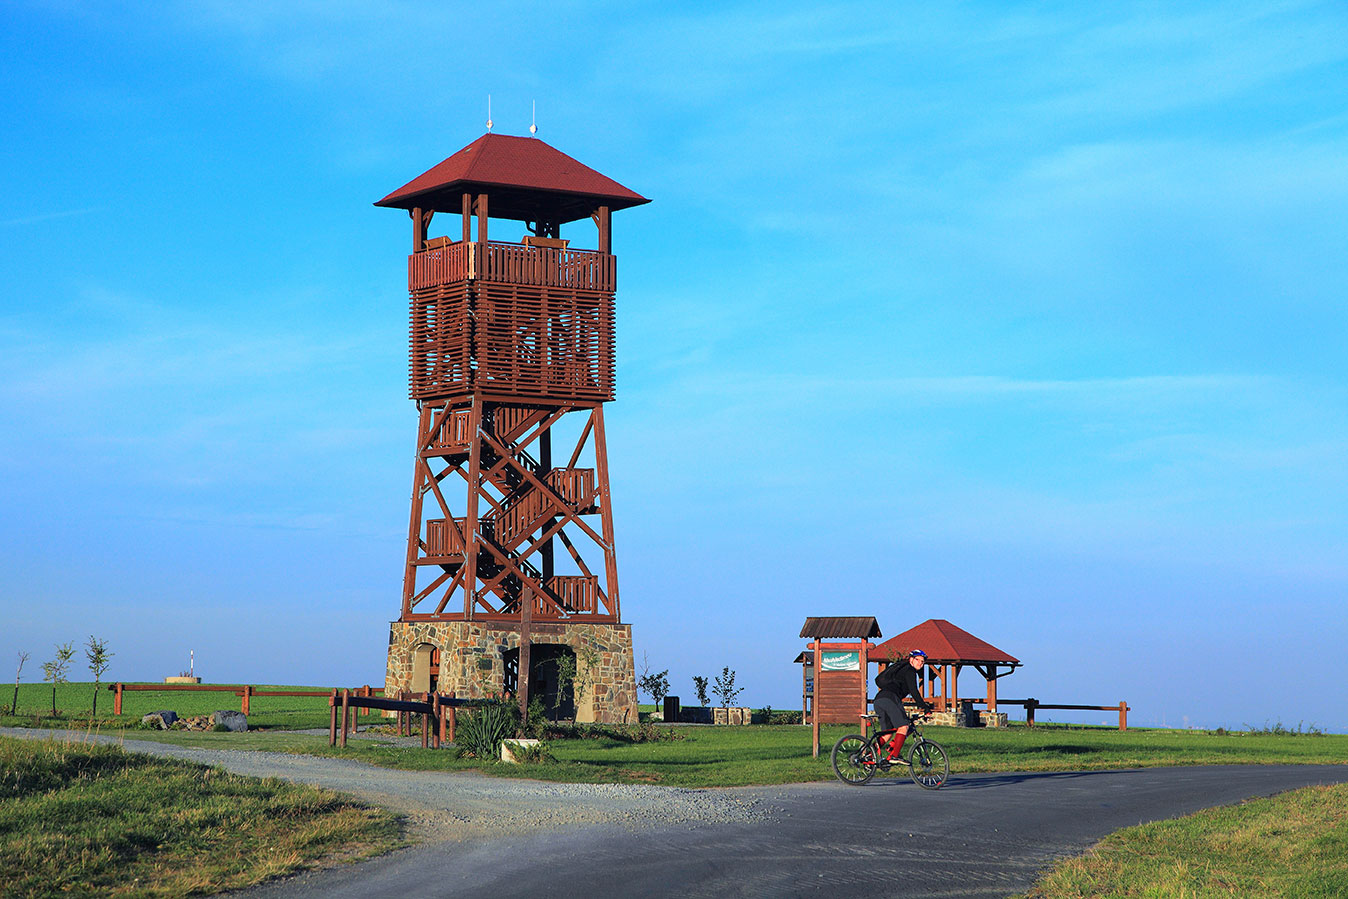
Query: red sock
x=896, y=744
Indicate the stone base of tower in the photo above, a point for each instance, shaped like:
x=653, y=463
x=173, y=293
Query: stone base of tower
x=472, y=661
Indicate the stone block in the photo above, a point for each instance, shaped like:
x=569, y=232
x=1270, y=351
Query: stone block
x=230, y=720
x=510, y=748
x=162, y=719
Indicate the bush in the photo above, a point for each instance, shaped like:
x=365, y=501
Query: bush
x=481, y=731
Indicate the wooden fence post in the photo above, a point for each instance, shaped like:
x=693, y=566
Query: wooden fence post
x=453, y=716
x=1123, y=715
x=332, y=718
x=117, y=699
x=247, y=694
x=1029, y=711
x=346, y=707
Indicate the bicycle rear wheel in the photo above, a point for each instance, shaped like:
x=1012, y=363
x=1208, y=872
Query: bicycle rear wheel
x=853, y=760
x=931, y=765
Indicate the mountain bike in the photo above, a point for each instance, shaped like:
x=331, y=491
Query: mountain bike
x=857, y=758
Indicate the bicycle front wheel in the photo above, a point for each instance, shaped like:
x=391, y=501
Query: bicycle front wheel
x=853, y=760
x=931, y=765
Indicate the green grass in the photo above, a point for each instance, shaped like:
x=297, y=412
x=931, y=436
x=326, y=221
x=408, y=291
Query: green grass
x=1293, y=845
x=737, y=756
x=92, y=820
x=74, y=702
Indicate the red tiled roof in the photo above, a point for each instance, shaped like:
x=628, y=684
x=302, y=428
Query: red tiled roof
x=836, y=628
x=943, y=642
x=505, y=167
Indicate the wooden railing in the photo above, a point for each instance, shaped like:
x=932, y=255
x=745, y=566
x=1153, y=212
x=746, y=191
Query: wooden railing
x=244, y=691
x=574, y=485
x=512, y=263
x=1030, y=705
x=579, y=593
x=453, y=435
x=444, y=537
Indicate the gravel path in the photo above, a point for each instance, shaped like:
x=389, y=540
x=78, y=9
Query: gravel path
x=455, y=805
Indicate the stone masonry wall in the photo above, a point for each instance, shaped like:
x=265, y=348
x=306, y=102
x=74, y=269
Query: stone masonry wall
x=472, y=664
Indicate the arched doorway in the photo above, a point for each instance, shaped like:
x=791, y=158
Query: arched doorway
x=425, y=668
x=552, y=670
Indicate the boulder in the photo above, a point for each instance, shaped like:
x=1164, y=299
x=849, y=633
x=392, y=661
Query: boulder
x=230, y=720
x=162, y=719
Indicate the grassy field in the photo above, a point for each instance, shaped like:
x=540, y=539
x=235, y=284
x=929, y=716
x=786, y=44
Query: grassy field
x=75, y=702
x=1295, y=844
x=92, y=820
x=759, y=754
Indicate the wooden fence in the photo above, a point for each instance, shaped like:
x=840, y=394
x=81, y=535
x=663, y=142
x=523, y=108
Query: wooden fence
x=432, y=707
x=1030, y=705
x=244, y=691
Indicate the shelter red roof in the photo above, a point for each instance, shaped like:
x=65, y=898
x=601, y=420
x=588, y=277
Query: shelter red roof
x=523, y=177
x=845, y=627
x=943, y=642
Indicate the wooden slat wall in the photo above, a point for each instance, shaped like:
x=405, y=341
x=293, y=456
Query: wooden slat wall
x=837, y=697
x=530, y=321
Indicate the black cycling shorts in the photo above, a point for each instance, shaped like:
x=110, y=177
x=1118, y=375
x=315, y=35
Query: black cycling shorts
x=890, y=709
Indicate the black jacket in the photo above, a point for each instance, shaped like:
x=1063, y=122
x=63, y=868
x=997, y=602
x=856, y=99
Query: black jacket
x=900, y=678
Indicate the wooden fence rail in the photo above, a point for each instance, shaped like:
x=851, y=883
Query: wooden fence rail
x=1031, y=705
x=244, y=691
x=440, y=708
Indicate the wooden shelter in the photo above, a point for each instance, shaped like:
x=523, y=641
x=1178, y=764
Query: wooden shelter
x=511, y=573
x=834, y=669
x=949, y=649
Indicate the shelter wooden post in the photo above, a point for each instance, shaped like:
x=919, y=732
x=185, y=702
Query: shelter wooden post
x=992, y=692
x=864, y=657
x=814, y=716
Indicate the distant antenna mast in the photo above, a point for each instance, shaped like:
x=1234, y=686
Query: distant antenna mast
x=488, y=112
x=533, y=119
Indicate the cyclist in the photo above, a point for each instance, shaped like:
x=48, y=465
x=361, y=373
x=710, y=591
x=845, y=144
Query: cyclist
x=897, y=680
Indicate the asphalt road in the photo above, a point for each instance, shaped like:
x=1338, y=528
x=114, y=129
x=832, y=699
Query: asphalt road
x=983, y=835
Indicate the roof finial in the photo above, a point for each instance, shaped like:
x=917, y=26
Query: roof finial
x=488, y=112
x=533, y=120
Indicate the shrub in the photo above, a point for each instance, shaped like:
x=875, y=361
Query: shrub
x=619, y=733
x=481, y=731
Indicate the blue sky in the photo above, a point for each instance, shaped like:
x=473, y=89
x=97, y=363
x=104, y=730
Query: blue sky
x=1025, y=316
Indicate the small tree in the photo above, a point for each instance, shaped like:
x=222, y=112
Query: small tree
x=96, y=651
x=576, y=673
x=657, y=685
x=725, y=689
x=14, y=706
x=54, y=671
x=700, y=686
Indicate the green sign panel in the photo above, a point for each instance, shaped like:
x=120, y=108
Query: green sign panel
x=840, y=661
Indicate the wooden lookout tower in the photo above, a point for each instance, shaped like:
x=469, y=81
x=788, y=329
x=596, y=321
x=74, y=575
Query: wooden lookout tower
x=511, y=362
